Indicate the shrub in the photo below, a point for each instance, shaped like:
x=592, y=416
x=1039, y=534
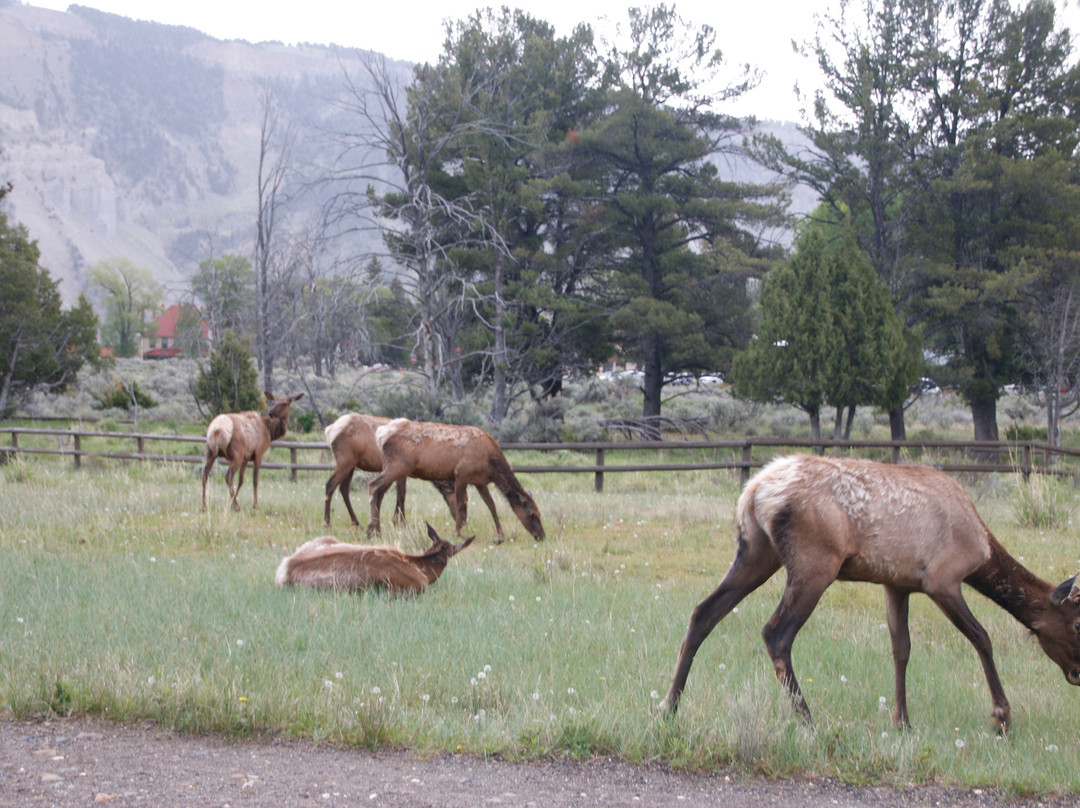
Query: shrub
x=306, y=420
x=230, y=382
x=120, y=395
x=1024, y=432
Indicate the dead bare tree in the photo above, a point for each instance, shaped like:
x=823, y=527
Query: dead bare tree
x=276, y=146
x=386, y=172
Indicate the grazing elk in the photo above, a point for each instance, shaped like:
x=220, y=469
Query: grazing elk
x=326, y=563
x=352, y=440
x=243, y=436
x=909, y=528
x=459, y=455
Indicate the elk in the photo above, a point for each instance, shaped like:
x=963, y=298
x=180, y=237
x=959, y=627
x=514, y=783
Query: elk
x=352, y=440
x=243, y=436
x=908, y=528
x=326, y=563
x=458, y=455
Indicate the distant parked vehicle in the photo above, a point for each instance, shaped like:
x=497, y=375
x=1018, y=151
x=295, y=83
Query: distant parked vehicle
x=928, y=386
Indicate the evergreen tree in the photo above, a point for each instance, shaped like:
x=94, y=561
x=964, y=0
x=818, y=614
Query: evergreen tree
x=828, y=335
x=656, y=146
x=41, y=346
x=230, y=382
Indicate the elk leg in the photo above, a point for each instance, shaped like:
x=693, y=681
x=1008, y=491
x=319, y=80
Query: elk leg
x=210, y=460
x=461, y=497
x=746, y=575
x=447, y=491
x=956, y=609
x=237, y=472
x=340, y=479
x=896, y=608
x=346, y=494
x=399, y=505
x=800, y=597
x=377, y=489
x=486, y=496
x=254, y=482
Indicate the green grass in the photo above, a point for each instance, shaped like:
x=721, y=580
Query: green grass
x=119, y=598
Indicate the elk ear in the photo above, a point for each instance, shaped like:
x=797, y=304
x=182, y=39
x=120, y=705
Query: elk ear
x=297, y=397
x=1067, y=591
x=432, y=534
x=269, y=396
x=459, y=547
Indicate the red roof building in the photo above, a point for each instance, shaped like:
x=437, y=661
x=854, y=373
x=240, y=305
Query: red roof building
x=162, y=339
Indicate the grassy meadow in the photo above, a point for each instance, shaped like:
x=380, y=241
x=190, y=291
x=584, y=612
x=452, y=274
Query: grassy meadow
x=119, y=598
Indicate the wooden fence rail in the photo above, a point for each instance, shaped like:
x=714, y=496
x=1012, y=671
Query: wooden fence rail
x=1024, y=457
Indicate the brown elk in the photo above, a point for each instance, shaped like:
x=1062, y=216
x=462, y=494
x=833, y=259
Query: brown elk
x=352, y=440
x=908, y=528
x=326, y=563
x=243, y=436
x=459, y=455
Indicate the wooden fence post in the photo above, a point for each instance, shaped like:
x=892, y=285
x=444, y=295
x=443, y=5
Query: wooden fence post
x=744, y=470
x=598, y=481
x=292, y=460
x=78, y=450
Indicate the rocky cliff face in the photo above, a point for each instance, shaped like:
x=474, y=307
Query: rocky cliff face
x=141, y=140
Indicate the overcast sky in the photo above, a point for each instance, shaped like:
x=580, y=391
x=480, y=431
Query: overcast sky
x=758, y=32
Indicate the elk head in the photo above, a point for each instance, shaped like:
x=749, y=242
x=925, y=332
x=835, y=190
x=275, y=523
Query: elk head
x=1059, y=630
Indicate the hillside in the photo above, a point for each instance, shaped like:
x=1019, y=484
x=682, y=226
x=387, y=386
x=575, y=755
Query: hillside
x=136, y=139
x=140, y=139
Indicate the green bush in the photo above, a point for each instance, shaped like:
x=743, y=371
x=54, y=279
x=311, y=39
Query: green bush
x=121, y=396
x=230, y=382
x=1025, y=432
x=306, y=420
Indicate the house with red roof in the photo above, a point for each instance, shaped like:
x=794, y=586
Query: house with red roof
x=169, y=331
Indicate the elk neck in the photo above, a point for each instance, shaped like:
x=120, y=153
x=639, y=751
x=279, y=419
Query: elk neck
x=1011, y=585
x=274, y=426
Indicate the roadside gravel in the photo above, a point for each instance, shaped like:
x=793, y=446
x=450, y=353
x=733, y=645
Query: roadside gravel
x=79, y=762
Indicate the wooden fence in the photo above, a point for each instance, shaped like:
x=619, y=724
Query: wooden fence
x=746, y=454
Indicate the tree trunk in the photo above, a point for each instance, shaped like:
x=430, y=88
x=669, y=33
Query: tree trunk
x=652, y=386
x=850, y=422
x=984, y=416
x=499, y=403
x=838, y=423
x=897, y=426
x=815, y=428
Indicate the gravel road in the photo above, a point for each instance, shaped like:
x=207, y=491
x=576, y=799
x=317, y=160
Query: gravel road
x=79, y=762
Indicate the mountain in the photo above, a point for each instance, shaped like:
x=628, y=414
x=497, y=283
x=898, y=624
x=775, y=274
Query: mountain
x=137, y=139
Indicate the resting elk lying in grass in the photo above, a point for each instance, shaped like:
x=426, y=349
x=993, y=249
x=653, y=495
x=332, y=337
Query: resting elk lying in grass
x=352, y=440
x=243, y=436
x=908, y=528
x=458, y=455
x=326, y=563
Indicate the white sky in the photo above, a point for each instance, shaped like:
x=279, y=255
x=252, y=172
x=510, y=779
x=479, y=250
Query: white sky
x=755, y=31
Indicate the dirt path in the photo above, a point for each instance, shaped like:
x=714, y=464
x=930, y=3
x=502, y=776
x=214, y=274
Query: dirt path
x=84, y=763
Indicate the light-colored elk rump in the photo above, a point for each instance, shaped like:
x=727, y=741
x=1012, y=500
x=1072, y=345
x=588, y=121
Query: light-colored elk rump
x=326, y=563
x=909, y=528
x=459, y=455
x=243, y=436
x=351, y=438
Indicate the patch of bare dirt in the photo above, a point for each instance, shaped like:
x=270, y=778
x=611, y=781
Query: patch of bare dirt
x=81, y=762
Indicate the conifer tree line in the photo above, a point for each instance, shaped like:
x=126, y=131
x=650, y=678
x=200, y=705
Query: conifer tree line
x=547, y=203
